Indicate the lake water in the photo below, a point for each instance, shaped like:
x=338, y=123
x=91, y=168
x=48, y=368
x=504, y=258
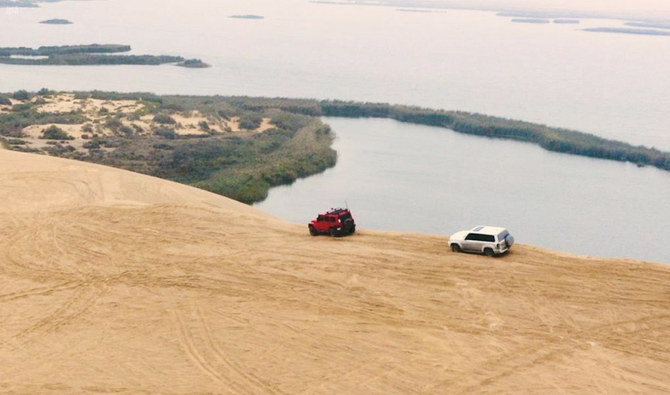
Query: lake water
x=426, y=179
x=616, y=86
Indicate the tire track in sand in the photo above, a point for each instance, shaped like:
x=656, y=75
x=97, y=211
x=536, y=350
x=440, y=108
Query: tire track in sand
x=83, y=298
x=187, y=344
x=211, y=360
x=238, y=374
x=38, y=291
x=549, y=350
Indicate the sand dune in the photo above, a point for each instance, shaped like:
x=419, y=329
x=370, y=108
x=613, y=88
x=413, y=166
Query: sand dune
x=96, y=114
x=118, y=282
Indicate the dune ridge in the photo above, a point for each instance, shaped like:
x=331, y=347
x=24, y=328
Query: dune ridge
x=118, y=282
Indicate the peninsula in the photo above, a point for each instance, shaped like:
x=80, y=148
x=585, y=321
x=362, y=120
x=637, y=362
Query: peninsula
x=213, y=143
x=86, y=55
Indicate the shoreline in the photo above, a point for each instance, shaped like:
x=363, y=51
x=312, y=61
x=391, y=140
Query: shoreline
x=549, y=138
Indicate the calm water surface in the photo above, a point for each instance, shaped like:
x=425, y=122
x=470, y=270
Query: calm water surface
x=416, y=178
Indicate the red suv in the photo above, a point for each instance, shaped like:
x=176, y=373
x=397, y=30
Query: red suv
x=336, y=222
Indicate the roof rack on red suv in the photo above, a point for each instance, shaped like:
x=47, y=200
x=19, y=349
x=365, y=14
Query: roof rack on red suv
x=335, y=222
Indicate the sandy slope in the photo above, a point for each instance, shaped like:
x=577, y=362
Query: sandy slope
x=117, y=282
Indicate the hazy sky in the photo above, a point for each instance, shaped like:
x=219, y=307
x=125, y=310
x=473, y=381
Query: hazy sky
x=648, y=9
x=599, y=5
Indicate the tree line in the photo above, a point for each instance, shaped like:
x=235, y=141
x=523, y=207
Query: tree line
x=550, y=138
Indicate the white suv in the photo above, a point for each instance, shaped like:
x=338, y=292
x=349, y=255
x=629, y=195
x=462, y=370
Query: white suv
x=488, y=240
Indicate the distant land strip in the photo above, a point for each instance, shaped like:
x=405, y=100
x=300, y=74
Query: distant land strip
x=24, y=3
x=531, y=20
x=13, y=4
x=86, y=55
x=56, y=21
x=250, y=16
x=653, y=25
x=567, y=21
x=624, y=30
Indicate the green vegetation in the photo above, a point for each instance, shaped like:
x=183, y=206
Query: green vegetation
x=250, y=120
x=93, y=54
x=245, y=169
x=24, y=115
x=53, y=132
x=164, y=119
x=21, y=95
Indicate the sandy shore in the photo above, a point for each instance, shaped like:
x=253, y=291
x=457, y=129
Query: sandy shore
x=118, y=282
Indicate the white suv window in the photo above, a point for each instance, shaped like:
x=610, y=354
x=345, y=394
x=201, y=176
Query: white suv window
x=480, y=237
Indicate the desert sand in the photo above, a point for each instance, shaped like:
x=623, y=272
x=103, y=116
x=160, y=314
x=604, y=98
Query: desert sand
x=114, y=282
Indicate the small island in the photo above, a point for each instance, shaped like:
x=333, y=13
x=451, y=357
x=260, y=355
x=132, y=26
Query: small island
x=193, y=64
x=530, y=20
x=566, y=21
x=415, y=10
x=87, y=55
x=624, y=30
x=14, y=4
x=24, y=3
x=56, y=22
x=250, y=16
x=653, y=25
